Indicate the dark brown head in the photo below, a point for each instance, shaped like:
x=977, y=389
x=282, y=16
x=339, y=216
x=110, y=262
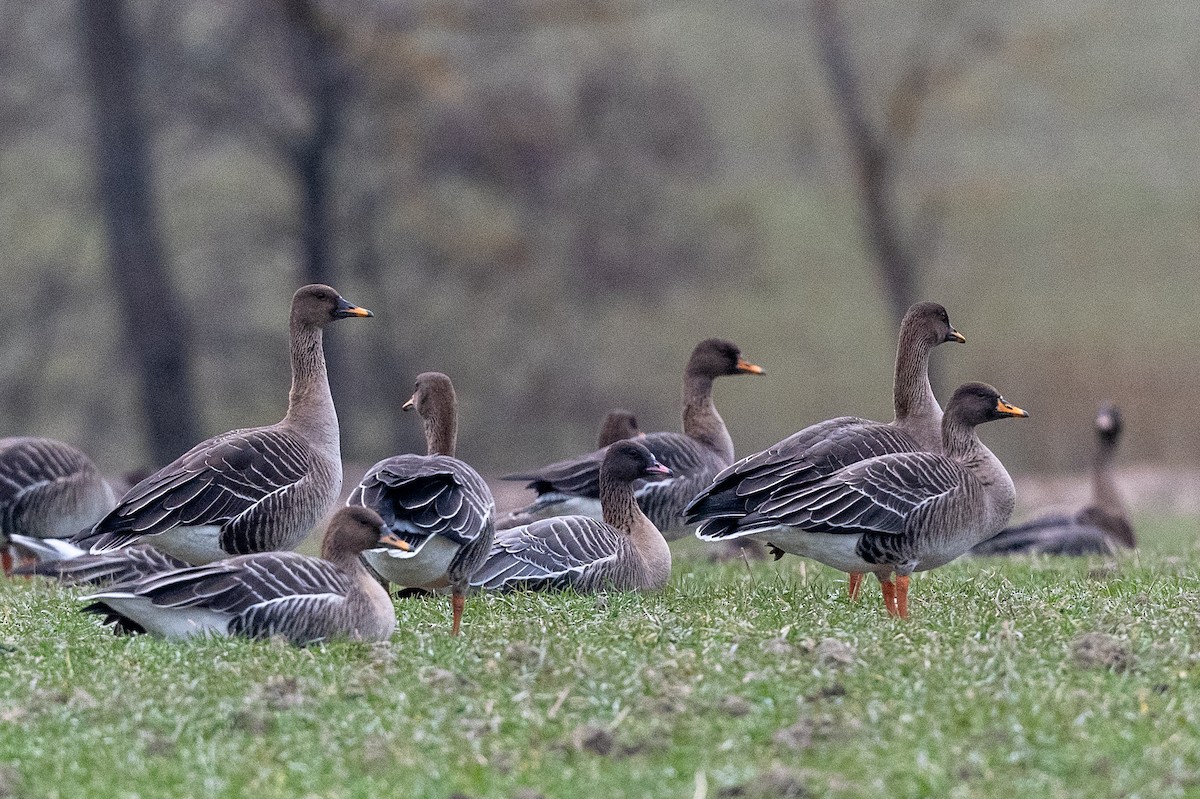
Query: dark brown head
x=316, y=305
x=627, y=461
x=715, y=357
x=976, y=403
x=1108, y=423
x=432, y=392
x=618, y=426
x=355, y=529
x=929, y=322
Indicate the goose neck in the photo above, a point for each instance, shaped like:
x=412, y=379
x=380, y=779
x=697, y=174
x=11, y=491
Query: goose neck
x=310, y=403
x=700, y=418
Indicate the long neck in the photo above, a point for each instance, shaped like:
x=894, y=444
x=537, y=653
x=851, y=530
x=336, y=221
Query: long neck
x=959, y=440
x=310, y=404
x=618, y=503
x=916, y=407
x=700, y=418
x=441, y=432
x=1104, y=487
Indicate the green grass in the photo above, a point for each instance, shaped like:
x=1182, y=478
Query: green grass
x=723, y=685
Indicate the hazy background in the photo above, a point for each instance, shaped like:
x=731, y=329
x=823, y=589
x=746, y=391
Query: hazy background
x=553, y=202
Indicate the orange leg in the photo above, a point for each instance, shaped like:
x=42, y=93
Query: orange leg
x=855, y=584
x=7, y=558
x=902, y=597
x=889, y=596
x=457, y=601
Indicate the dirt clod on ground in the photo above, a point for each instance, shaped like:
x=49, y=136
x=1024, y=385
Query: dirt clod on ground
x=593, y=738
x=1101, y=650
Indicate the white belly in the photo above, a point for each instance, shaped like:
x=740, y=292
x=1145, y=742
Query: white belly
x=169, y=622
x=568, y=506
x=425, y=565
x=832, y=549
x=195, y=545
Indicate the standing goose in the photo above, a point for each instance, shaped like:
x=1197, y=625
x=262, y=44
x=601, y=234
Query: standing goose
x=304, y=599
x=625, y=552
x=694, y=456
x=252, y=490
x=48, y=490
x=771, y=478
x=1099, y=528
x=436, y=503
x=618, y=425
x=903, y=512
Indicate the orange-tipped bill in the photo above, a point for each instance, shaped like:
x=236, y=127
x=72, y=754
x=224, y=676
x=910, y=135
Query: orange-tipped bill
x=1005, y=409
x=394, y=542
x=346, y=308
x=955, y=336
x=745, y=367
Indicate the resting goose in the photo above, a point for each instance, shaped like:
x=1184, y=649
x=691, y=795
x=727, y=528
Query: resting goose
x=304, y=599
x=902, y=512
x=618, y=425
x=625, y=552
x=1100, y=528
x=769, y=478
x=251, y=490
x=48, y=490
x=694, y=456
x=436, y=503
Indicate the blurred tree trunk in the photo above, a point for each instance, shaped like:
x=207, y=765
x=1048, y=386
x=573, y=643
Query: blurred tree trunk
x=323, y=80
x=154, y=321
x=873, y=152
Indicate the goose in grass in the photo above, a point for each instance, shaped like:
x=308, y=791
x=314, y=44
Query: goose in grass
x=303, y=599
x=694, y=456
x=251, y=490
x=624, y=552
x=435, y=502
x=49, y=490
x=1102, y=527
x=618, y=425
x=902, y=512
x=770, y=478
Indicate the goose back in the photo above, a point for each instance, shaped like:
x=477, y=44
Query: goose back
x=778, y=475
x=49, y=489
x=249, y=490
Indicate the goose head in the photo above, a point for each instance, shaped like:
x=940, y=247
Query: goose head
x=317, y=305
x=627, y=461
x=929, y=322
x=716, y=357
x=976, y=403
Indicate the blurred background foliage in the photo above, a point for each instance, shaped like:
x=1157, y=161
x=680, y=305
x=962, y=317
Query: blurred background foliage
x=554, y=201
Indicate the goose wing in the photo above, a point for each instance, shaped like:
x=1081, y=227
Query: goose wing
x=581, y=476
x=556, y=552
x=773, y=477
x=27, y=466
x=876, y=495
x=214, y=483
x=131, y=563
x=420, y=496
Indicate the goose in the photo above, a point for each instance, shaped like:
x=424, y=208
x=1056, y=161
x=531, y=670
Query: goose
x=694, y=456
x=618, y=425
x=902, y=512
x=48, y=490
x=1099, y=528
x=624, y=552
x=251, y=490
x=73, y=566
x=435, y=502
x=772, y=476
x=301, y=598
